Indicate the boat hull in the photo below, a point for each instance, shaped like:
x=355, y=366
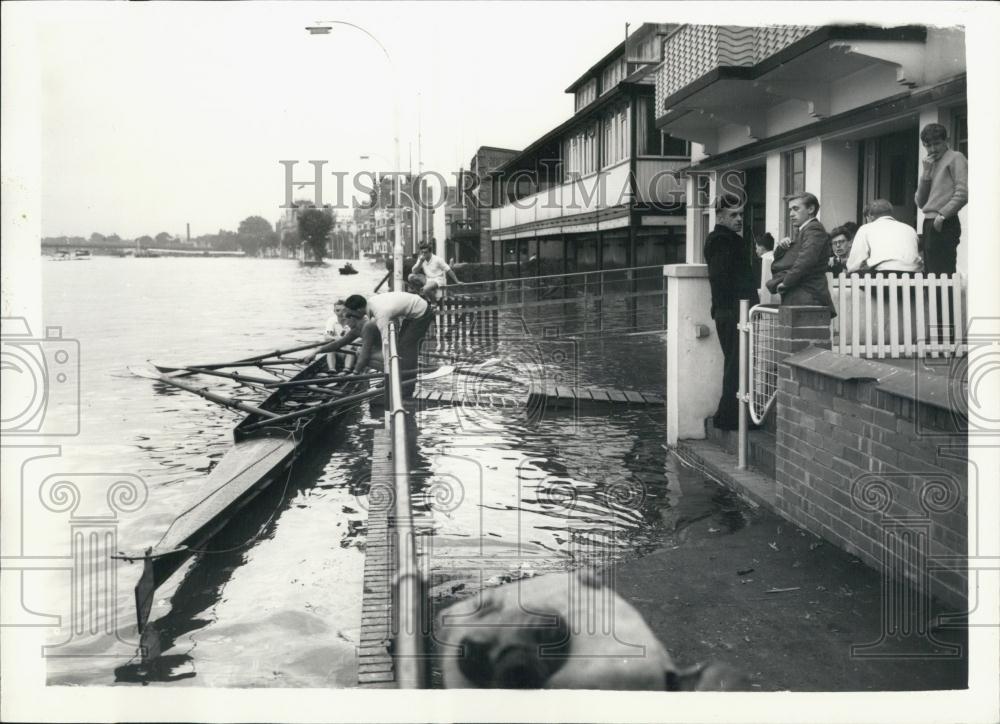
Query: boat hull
x=257, y=458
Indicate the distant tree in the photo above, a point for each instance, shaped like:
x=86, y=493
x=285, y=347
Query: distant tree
x=97, y=238
x=113, y=239
x=145, y=241
x=255, y=234
x=163, y=238
x=314, y=225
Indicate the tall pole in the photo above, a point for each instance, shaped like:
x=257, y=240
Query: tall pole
x=397, y=261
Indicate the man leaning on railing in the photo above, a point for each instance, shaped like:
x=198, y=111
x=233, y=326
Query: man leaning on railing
x=884, y=245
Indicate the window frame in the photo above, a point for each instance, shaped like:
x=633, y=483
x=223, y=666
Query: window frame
x=788, y=178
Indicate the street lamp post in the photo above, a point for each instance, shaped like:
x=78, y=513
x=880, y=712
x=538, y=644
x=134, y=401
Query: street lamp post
x=322, y=27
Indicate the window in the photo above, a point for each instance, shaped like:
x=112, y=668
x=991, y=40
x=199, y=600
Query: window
x=612, y=75
x=793, y=173
x=616, y=137
x=671, y=146
x=960, y=132
x=586, y=94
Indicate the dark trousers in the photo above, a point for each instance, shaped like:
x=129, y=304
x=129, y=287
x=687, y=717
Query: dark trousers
x=411, y=335
x=726, y=326
x=941, y=247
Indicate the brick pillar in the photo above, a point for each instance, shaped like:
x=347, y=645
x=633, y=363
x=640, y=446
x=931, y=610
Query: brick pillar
x=798, y=328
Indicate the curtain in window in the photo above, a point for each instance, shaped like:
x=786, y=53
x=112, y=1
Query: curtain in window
x=642, y=128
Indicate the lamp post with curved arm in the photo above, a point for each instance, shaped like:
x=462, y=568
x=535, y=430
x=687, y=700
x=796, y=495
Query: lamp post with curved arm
x=323, y=27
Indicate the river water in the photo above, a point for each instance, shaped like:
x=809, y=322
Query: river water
x=499, y=494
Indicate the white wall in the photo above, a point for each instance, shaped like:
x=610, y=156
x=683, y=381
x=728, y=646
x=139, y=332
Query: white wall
x=774, y=207
x=838, y=190
x=694, y=357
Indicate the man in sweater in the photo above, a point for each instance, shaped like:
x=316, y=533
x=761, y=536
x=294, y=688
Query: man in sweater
x=942, y=192
x=730, y=274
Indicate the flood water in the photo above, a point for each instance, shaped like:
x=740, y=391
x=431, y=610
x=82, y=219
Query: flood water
x=277, y=601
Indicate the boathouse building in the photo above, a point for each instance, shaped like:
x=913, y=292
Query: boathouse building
x=600, y=190
x=836, y=111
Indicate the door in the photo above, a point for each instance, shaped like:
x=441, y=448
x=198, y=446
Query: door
x=889, y=171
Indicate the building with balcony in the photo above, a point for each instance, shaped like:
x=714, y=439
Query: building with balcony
x=835, y=111
x=602, y=189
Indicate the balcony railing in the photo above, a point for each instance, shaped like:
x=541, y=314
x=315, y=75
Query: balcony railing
x=694, y=50
x=656, y=182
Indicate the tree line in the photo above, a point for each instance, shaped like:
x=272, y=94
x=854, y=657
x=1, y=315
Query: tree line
x=255, y=236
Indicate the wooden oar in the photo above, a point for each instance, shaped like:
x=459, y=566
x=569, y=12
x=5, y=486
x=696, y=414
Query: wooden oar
x=486, y=376
x=340, y=378
x=384, y=280
x=201, y=392
x=358, y=397
x=245, y=379
x=317, y=408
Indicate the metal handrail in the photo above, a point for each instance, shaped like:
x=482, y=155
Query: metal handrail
x=748, y=376
x=408, y=603
x=757, y=410
x=457, y=287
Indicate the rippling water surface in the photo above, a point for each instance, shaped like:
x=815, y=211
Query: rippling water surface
x=277, y=602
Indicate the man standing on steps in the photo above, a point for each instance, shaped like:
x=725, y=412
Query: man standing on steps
x=730, y=274
x=941, y=194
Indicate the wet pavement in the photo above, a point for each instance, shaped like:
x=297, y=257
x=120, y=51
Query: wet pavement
x=788, y=611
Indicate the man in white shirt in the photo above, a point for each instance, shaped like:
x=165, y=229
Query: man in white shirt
x=413, y=314
x=434, y=267
x=884, y=245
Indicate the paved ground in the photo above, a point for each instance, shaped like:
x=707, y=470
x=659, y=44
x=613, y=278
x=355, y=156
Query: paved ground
x=703, y=609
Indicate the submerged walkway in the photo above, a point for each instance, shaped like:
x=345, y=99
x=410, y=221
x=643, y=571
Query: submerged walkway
x=785, y=608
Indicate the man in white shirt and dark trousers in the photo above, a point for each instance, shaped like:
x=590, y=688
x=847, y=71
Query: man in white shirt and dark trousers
x=434, y=267
x=884, y=245
x=413, y=315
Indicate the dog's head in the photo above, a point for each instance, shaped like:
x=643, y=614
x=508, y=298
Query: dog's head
x=561, y=631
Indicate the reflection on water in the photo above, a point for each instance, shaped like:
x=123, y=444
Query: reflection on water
x=498, y=493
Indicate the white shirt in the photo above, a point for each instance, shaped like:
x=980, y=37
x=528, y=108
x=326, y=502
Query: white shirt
x=435, y=270
x=394, y=307
x=887, y=244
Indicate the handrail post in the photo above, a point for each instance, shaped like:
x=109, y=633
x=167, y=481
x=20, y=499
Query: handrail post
x=408, y=604
x=743, y=442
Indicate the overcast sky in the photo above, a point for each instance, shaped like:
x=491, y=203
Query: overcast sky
x=157, y=114
x=154, y=115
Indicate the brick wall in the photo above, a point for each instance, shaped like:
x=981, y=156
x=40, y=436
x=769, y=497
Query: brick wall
x=863, y=452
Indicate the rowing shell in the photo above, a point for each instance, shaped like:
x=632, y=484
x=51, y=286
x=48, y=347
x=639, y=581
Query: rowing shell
x=266, y=444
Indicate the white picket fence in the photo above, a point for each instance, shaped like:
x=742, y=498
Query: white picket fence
x=898, y=317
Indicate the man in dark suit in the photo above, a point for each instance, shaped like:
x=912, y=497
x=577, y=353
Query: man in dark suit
x=730, y=274
x=800, y=263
